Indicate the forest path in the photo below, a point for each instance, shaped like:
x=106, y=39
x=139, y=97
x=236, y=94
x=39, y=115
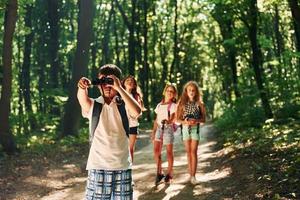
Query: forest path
x=217, y=180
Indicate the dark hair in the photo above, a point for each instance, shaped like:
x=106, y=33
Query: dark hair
x=110, y=69
x=134, y=90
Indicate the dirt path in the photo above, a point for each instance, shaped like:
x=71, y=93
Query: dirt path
x=221, y=175
x=214, y=181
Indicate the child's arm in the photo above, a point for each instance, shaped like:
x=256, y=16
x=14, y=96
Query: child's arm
x=153, y=130
x=82, y=94
x=131, y=103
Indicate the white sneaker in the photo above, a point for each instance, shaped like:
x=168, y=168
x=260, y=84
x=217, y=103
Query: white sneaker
x=193, y=180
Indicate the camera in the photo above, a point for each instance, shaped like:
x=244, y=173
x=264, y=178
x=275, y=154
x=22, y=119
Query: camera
x=102, y=81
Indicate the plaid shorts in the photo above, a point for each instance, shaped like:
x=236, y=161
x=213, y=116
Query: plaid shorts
x=109, y=184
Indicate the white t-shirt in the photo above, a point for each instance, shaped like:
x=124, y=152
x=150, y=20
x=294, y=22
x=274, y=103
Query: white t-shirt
x=133, y=122
x=109, y=148
x=161, y=111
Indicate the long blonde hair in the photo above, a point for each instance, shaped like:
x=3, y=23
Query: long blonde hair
x=165, y=90
x=184, y=99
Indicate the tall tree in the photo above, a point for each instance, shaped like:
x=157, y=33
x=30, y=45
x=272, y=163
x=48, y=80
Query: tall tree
x=175, y=62
x=257, y=55
x=145, y=82
x=131, y=28
x=224, y=17
x=6, y=137
x=80, y=66
x=53, y=17
x=295, y=8
x=25, y=72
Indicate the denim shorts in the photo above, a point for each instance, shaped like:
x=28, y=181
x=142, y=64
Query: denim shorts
x=166, y=135
x=108, y=184
x=192, y=134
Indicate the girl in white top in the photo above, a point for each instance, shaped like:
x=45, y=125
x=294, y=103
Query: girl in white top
x=130, y=85
x=163, y=131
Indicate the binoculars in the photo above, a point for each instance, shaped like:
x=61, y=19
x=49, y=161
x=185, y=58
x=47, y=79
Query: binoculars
x=102, y=81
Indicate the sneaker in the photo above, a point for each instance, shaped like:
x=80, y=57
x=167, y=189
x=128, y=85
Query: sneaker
x=159, y=177
x=168, y=178
x=193, y=180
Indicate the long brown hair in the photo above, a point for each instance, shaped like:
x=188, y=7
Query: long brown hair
x=136, y=91
x=184, y=99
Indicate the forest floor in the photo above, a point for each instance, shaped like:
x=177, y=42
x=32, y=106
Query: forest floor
x=222, y=174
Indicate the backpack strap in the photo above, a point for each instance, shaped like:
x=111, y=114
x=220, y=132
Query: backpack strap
x=95, y=119
x=169, y=108
x=124, y=117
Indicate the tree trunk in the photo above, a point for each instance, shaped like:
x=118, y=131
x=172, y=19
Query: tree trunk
x=25, y=74
x=53, y=17
x=105, y=43
x=146, y=64
x=226, y=28
x=81, y=59
x=295, y=9
x=279, y=45
x=257, y=58
x=131, y=38
x=117, y=48
x=163, y=56
x=175, y=62
x=296, y=18
x=6, y=137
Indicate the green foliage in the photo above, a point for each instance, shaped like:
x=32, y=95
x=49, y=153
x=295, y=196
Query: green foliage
x=3, y=4
x=273, y=145
x=245, y=112
x=288, y=110
x=43, y=142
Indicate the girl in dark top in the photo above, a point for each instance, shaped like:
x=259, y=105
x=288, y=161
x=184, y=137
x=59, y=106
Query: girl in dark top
x=191, y=113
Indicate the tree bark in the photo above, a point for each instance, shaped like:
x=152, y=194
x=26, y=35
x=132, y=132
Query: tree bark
x=175, y=62
x=296, y=17
x=279, y=44
x=6, y=138
x=53, y=17
x=105, y=43
x=25, y=73
x=146, y=64
x=257, y=58
x=81, y=59
x=131, y=39
x=295, y=9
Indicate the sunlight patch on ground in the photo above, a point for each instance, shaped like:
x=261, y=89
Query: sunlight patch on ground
x=143, y=166
x=217, y=174
x=199, y=190
x=173, y=190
